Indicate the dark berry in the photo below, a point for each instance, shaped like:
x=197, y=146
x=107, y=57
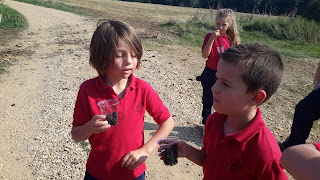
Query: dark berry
x=112, y=118
x=170, y=155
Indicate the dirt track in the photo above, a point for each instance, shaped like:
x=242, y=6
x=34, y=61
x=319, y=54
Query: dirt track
x=50, y=60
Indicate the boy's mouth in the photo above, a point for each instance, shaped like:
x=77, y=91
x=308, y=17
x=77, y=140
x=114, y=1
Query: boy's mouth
x=127, y=70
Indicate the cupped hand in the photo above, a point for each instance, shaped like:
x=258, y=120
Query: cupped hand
x=216, y=33
x=134, y=158
x=98, y=124
x=182, y=148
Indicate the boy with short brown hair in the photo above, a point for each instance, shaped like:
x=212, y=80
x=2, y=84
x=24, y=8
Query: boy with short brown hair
x=237, y=144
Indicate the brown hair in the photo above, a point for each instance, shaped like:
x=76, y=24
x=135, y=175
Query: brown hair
x=233, y=29
x=104, y=43
x=261, y=66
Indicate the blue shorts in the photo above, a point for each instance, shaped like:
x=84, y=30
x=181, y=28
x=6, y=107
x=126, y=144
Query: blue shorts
x=88, y=176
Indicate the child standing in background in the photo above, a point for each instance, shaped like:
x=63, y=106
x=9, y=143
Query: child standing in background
x=117, y=152
x=225, y=35
x=306, y=112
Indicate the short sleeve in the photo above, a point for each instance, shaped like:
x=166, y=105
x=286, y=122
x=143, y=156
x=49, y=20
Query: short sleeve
x=272, y=170
x=81, y=112
x=155, y=106
x=317, y=146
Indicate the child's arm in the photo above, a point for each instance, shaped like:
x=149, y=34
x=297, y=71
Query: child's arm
x=302, y=161
x=134, y=158
x=207, y=49
x=96, y=125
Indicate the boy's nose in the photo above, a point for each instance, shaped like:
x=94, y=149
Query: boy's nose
x=214, y=88
x=129, y=59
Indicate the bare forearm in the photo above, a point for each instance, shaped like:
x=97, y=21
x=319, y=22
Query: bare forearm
x=80, y=133
x=207, y=49
x=302, y=161
x=196, y=155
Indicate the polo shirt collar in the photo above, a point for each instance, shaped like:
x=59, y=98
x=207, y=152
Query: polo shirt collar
x=253, y=128
x=134, y=83
x=225, y=36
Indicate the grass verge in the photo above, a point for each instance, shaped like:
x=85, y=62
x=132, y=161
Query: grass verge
x=11, y=19
x=11, y=24
x=57, y=5
x=279, y=32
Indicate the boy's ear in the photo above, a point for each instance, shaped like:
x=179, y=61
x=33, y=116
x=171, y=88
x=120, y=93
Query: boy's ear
x=258, y=97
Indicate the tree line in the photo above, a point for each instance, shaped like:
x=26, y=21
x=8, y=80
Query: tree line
x=309, y=9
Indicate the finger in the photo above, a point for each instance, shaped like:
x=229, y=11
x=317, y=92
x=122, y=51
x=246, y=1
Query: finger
x=132, y=165
x=99, y=117
x=166, y=141
x=129, y=162
x=103, y=128
x=163, y=147
x=124, y=159
x=160, y=155
x=101, y=123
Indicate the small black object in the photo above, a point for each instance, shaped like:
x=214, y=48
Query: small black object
x=112, y=118
x=170, y=155
x=199, y=78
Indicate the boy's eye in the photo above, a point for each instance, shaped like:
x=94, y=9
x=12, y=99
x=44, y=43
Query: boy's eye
x=118, y=55
x=226, y=84
x=133, y=55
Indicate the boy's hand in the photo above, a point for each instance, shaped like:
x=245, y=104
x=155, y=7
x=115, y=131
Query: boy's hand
x=182, y=148
x=98, y=124
x=134, y=158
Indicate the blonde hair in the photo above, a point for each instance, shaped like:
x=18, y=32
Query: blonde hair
x=233, y=29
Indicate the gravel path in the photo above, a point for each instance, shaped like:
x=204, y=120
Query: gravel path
x=38, y=94
x=50, y=61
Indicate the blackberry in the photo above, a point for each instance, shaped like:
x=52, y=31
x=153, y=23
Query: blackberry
x=170, y=155
x=112, y=118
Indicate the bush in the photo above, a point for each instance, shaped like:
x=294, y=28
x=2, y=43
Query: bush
x=11, y=18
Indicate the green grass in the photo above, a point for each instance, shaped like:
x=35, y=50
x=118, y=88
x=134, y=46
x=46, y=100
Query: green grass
x=294, y=39
x=57, y=5
x=11, y=19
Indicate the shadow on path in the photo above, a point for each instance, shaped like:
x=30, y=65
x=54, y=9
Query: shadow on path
x=185, y=133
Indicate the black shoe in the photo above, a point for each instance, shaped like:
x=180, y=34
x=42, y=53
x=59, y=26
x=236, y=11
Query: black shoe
x=199, y=78
x=282, y=146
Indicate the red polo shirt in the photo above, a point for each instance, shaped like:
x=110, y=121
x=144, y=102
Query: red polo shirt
x=107, y=148
x=220, y=44
x=252, y=153
x=317, y=146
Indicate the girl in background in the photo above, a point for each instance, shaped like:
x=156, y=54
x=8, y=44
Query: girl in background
x=225, y=35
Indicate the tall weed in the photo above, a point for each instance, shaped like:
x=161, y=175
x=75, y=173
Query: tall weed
x=285, y=28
